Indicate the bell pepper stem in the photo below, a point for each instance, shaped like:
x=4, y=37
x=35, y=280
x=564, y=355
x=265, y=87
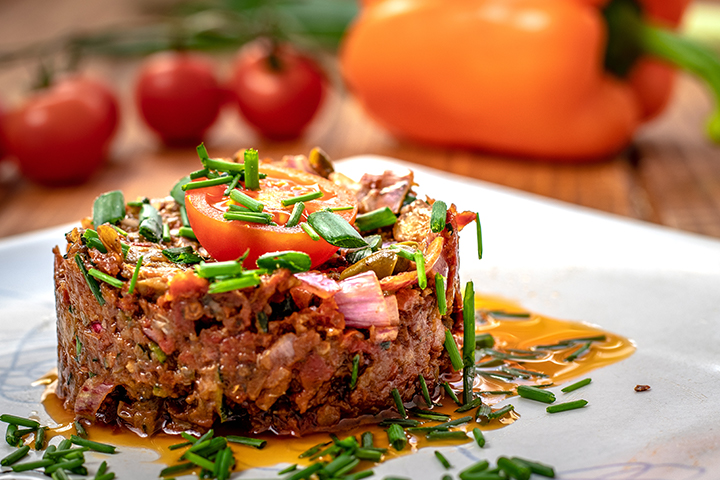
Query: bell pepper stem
x=688, y=55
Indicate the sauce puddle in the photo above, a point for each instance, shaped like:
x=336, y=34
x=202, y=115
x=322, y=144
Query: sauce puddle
x=517, y=335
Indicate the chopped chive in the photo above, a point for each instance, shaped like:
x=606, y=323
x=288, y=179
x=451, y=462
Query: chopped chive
x=332, y=451
x=166, y=233
x=313, y=450
x=579, y=352
x=347, y=468
x=454, y=435
x=452, y=350
x=252, y=442
x=403, y=422
x=252, y=177
x=168, y=471
x=501, y=412
x=454, y=423
x=484, y=340
x=185, y=255
x=289, y=469
x=306, y=472
x=40, y=438
x=536, y=467
x=399, y=403
x=24, y=467
x=495, y=362
x=435, y=417
x=108, y=208
x=115, y=282
x=369, y=454
x=92, y=283
x=513, y=469
x=438, y=216
x=448, y=389
x=468, y=342
x=307, y=228
x=562, y=407
x=207, y=183
x=420, y=267
x=396, y=437
x=200, y=461
x=576, y=385
x=219, y=269
x=338, y=463
x=107, y=476
x=441, y=458
x=570, y=342
x=360, y=475
x=335, y=230
x=503, y=313
x=15, y=456
x=440, y=293
x=224, y=464
x=199, y=174
x=479, y=437
x=246, y=201
x=217, y=164
x=286, y=202
x=64, y=465
x=183, y=216
x=223, y=286
x=382, y=217
x=522, y=373
x=21, y=421
x=479, y=236
x=96, y=446
x=295, y=215
x=155, y=348
x=341, y=209
x=425, y=391
x=354, y=374
x=366, y=440
x=60, y=474
x=497, y=392
x=64, y=444
x=150, y=223
x=251, y=217
x=187, y=232
x=534, y=393
x=120, y=231
x=473, y=469
x=134, y=278
x=232, y=185
x=66, y=452
x=179, y=445
x=92, y=240
x=293, y=261
x=433, y=428
x=80, y=429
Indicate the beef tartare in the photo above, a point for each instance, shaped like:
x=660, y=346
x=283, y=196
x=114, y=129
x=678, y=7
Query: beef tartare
x=158, y=330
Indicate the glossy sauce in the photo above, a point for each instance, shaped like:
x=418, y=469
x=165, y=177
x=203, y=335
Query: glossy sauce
x=509, y=333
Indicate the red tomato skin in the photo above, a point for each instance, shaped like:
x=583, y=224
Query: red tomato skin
x=278, y=101
x=228, y=240
x=178, y=96
x=61, y=135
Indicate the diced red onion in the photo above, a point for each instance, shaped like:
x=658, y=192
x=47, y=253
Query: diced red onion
x=363, y=304
x=386, y=334
x=318, y=284
x=96, y=327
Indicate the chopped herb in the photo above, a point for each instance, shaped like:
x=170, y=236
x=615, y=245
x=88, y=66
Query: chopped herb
x=187, y=232
x=175, y=469
x=293, y=261
x=92, y=240
x=198, y=174
x=186, y=255
x=440, y=293
x=403, y=422
x=503, y=313
x=440, y=435
x=500, y=412
x=420, y=266
x=24, y=467
x=446, y=385
x=366, y=439
x=200, y=461
x=513, y=469
x=438, y=216
x=219, y=269
x=179, y=445
x=295, y=215
x=289, y=469
x=382, y=217
x=399, y=403
x=475, y=402
x=310, y=231
x=251, y=217
x=166, y=233
x=536, y=467
x=212, y=182
x=136, y=272
x=396, y=437
x=335, y=230
x=452, y=349
x=468, y=342
x=232, y=185
x=246, y=201
x=425, y=391
x=252, y=442
x=92, y=283
x=96, y=446
x=120, y=231
x=306, y=472
x=286, y=202
x=234, y=284
x=80, y=429
x=15, y=420
x=354, y=374
x=313, y=450
x=484, y=340
x=15, y=456
x=252, y=177
x=479, y=437
x=562, y=407
x=479, y=236
x=108, y=208
x=115, y=282
x=150, y=223
x=369, y=454
x=534, y=393
x=441, y=458
x=40, y=438
x=579, y=352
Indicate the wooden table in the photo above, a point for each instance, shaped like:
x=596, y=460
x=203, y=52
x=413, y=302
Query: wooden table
x=670, y=176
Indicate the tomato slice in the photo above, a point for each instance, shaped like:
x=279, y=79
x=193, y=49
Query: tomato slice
x=229, y=239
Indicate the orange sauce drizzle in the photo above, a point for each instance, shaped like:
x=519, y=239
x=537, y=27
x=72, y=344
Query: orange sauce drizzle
x=509, y=333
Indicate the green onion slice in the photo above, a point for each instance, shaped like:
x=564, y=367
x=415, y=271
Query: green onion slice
x=576, y=385
x=246, y=201
x=302, y=198
x=185, y=255
x=440, y=293
x=115, y=282
x=562, y=407
x=534, y=393
x=250, y=217
x=225, y=179
x=219, y=269
x=134, y=278
x=296, y=214
x=438, y=216
x=452, y=349
x=335, y=230
x=252, y=177
x=223, y=286
x=92, y=283
x=382, y=217
x=108, y=208
x=479, y=236
x=292, y=260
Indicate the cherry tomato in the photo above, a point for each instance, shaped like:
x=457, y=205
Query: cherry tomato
x=228, y=240
x=61, y=134
x=278, y=90
x=178, y=96
x=2, y=135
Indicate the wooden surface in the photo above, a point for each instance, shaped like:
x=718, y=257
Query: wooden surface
x=670, y=176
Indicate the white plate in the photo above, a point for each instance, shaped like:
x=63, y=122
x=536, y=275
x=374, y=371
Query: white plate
x=657, y=286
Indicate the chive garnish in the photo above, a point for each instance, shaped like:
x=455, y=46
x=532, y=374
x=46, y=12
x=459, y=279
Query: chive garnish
x=293, y=261
x=536, y=467
x=134, y=278
x=306, y=472
x=108, y=208
x=246, y=201
x=187, y=232
x=438, y=216
x=92, y=240
x=396, y=437
x=523, y=372
x=183, y=217
x=223, y=286
x=302, y=198
x=369, y=454
x=200, y=461
x=479, y=236
x=150, y=223
x=335, y=230
x=185, y=255
x=474, y=469
x=420, y=267
x=366, y=440
x=382, y=217
x=360, y=475
x=562, y=407
x=513, y=469
x=198, y=174
x=115, y=282
x=310, y=231
x=232, y=185
x=92, y=283
x=96, y=446
x=484, y=340
x=441, y=458
x=468, y=342
x=479, y=437
x=399, y=403
x=219, y=269
x=534, y=393
x=503, y=313
x=252, y=177
x=179, y=445
x=212, y=182
x=454, y=423
x=425, y=415
x=166, y=233
x=40, y=438
x=354, y=374
x=448, y=389
x=440, y=435
x=576, y=385
x=440, y=293
x=21, y=421
x=425, y=391
x=15, y=456
x=475, y=402
x=579, y=352
x=501, y=412
x=452, y=349
x=80, y=429
x=175, y=469
x=252, y=442
x=288, y=469
x=251, y=217
x=313, y=450
x=24, y=467
x=338, y=463
x=295, y=215
x=403, y=422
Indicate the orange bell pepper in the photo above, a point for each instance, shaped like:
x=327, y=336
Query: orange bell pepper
x=563, y=80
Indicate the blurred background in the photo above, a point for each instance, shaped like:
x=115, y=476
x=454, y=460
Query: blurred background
x=131, y=86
